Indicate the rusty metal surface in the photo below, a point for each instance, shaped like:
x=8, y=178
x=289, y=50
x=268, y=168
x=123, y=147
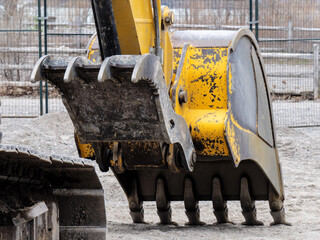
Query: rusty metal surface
x=142, y=155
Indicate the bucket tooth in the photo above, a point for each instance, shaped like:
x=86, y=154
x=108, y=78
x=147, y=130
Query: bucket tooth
x=219, y=204
x=277, y=210
x=248, y=205
x=37, y=74
x=279, y=218
x=70, y=73
x=83, y=70
x=117, y=160
x=102, y=155
x=163, y=205
x=137, y=216
x=135, y=205
x=105, y=71
x=191, y=204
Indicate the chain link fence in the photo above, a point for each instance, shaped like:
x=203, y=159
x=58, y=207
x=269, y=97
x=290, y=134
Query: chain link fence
x=288, y=33
x=19, y=50
x=70, y=25
x=289, y=37
x=28, y=30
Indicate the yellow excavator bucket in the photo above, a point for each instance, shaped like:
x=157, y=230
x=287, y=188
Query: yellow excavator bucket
x=177, y=116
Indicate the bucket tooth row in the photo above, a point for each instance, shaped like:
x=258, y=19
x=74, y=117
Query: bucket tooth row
x=191, y=204
x=143, y=113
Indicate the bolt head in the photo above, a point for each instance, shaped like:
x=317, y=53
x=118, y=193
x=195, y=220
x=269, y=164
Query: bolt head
x=183, y=97
x=194, y=158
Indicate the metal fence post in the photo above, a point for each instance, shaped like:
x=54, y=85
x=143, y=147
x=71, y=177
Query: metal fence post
x=251, y=14
x=46, y=49
x=290, y=35
x=257, y=19
x=40, y=54
x=315, y=71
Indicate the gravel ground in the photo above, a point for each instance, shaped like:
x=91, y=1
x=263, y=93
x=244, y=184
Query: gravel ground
x=299, y=154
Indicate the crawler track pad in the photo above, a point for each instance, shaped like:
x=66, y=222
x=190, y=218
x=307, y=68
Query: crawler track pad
x=54, y=195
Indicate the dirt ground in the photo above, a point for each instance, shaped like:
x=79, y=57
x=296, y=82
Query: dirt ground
x=299, y=151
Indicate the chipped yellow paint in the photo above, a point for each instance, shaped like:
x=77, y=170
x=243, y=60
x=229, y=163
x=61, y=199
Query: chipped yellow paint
x=229, y=79
x=233, y=142
x=91, y=43
x=93, y=53
x=167, y=56
x=235, y=122
x=205, y=80
x=207, y=131
x=85, y=150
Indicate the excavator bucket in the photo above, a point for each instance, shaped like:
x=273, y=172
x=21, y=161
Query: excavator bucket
x=186, y=117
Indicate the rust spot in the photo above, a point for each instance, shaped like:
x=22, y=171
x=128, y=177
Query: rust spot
x=196, y=129
x=199, y=146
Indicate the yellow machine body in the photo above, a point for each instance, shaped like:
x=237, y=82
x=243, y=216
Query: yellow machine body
x=204, y=78
x=135, y=27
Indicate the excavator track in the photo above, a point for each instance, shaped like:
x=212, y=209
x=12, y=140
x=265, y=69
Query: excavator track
x=49, y=197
